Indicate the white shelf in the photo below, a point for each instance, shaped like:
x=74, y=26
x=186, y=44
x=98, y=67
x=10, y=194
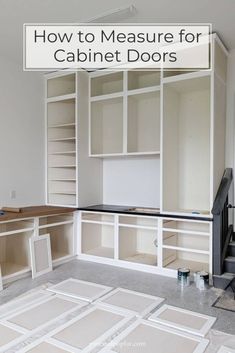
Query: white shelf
x=62, y=166
x=186, y=145
x=62, y=126
x=186, y=249
x=101, y=251
x=63, y=139
x=65, y=97
x=106, y=97
x=194, y=266
x=97, y=239
x=143, y=90
x=62, y=152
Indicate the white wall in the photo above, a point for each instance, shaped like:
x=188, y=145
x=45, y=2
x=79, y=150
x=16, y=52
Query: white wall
x=132, y=181
x=21, y=135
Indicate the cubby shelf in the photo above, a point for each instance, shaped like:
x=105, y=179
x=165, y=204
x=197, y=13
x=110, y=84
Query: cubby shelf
x=61, y=139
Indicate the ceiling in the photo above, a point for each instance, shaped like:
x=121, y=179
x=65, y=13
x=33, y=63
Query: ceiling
x=16, y=12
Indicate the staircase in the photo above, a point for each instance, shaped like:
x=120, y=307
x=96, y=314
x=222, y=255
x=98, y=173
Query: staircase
x=223, y=235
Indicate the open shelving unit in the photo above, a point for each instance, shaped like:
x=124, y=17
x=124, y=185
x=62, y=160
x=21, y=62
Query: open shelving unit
x=62, y=140
x=97, y=235
x=186, y=173
x=147, y=243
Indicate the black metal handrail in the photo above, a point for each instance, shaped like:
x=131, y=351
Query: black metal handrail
x=222, y=232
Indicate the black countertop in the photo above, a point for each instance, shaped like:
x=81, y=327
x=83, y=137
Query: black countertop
x=141, y=211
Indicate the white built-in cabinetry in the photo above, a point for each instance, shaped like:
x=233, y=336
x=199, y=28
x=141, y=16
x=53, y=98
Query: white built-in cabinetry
x=124, y=113
x=175, y=117
x=147, y=243
x=15, y=235
x=67, y=142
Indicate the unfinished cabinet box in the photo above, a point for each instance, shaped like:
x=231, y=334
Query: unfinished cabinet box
x=97, y=234
x=106, y=124
x=60, y=86
x=186, y=146
x=143, y=79
x=138, y=245
x=15, y=254
x=124, y=101
x=189, y=243
x=61, y=237
x=144, y=122
x=138, y=237
x=98, y=240
x=107, y=84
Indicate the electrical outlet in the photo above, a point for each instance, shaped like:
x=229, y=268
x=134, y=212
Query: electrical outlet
x=13, y=194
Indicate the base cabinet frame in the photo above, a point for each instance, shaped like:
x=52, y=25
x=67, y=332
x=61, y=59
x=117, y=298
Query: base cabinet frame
x=154, y=244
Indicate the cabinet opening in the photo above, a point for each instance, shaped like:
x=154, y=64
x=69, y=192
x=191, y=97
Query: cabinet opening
x=186, y=146
x=197, y=227
x=107, y=84
x=16, y=226
x=61, y=237
x=139, y=221
x=98, y=217
x=188, y=241
x=195, y=262
x=66, y=217
x=143, y=79
x=61, y=132
x=107, y=126
x=15, y=253
x=138, y=245
x=144, y=122
x=60, y=86
x=60, y=113
x=98, y=240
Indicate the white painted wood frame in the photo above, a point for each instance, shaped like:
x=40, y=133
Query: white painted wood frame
x=200, y=348
x=202, y=331
x=61, y=288
x=156, y=301
x=45, y=255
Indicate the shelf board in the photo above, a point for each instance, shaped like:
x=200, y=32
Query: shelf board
x=61, y=125
x=61, y=179
x=58, y=153
x=106, y=96
x=143, y=90
x=194, y=266
x=62, y=166
x=101, y=252
x=61, y=98
x=11, y=268
x=49, y=225
x=142, y=258
x=185, y=231
x=125, y=154
x=178, y=248
x=62, y=192
x=186, y=76
x=62, y=139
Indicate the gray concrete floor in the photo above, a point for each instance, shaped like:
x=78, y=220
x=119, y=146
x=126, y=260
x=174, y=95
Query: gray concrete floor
x=190, y=298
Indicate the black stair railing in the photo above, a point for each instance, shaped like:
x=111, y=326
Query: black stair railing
x=222, y=231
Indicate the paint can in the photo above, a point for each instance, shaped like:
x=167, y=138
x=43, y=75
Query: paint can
x=201, y=278
x=184, y=277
